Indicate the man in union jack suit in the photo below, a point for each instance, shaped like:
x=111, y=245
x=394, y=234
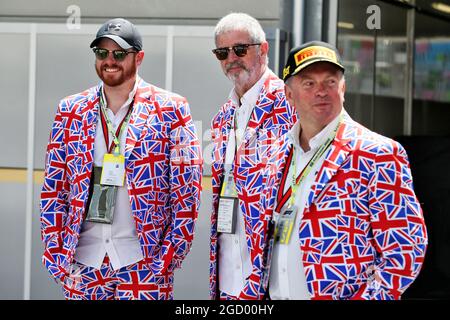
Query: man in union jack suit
x=122, y=180
x=342, y=219
x=243, y=131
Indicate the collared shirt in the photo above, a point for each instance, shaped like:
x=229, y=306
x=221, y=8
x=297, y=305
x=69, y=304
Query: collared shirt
x=246, y=105
x=118, y=240
x=235, y=265
x=287, y=275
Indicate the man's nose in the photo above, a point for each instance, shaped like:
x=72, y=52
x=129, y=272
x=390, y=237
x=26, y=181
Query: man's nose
x=321, y=90
x=110, y=58
x=232, y=56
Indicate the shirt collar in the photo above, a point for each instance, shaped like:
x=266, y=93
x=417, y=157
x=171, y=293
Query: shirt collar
x=251, y=96
x=316, y=141
x=130, y=96
x=294, y=134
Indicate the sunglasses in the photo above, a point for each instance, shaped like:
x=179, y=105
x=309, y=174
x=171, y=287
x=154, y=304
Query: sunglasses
x=118, y=55
x=240, y=50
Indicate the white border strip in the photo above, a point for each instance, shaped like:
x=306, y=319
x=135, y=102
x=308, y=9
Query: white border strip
x=14, y=27
x=30, y=163
x=169, y=58
x=332, y=21
x=276, y=63
x=91, y=29
x=299, y=13
x=194, y=31
x=409, y=73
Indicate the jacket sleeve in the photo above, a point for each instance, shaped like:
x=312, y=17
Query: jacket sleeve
x=398, y=226
x=185, y=186
x=53, y=202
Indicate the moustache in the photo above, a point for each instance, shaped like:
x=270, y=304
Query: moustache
x=235, y=64
x=107, y=65
x=321, y=101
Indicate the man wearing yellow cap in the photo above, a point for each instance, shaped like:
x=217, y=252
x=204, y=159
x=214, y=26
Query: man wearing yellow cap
x=345, y=222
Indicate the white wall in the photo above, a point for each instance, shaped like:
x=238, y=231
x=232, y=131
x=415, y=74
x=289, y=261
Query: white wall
x=198, y=12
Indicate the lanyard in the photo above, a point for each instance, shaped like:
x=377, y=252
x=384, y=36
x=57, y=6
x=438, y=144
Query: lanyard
x=108, y=127
x=231, y=152
x=296, y=181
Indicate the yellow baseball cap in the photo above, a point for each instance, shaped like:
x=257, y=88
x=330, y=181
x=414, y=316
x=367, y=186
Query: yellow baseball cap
x=311, y=52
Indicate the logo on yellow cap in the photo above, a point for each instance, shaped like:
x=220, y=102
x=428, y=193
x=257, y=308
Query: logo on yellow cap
x=314, y=52
x=286, y=71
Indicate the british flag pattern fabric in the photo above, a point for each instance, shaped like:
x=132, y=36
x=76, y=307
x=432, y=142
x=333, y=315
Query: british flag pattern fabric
x=362, y=235
x=163, y=168
x=271, y=117
x=133, y=282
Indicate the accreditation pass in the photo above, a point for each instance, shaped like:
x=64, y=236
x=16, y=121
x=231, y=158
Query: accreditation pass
x=113, y=172
x=228, y=204
x=226, y=215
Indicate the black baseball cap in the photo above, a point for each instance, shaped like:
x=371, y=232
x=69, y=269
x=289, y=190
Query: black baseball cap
x=121, y=31
x=309, y=53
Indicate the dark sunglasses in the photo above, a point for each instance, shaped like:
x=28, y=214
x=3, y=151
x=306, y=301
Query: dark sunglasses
x=240, y=50
x=119, y=55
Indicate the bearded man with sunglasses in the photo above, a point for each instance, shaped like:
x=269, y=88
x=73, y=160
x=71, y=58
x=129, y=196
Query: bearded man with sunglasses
x=122, y=180
x=243, y=131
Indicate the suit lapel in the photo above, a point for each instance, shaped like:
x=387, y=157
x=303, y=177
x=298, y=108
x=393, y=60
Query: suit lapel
x=225, y=128
x=262, y=109
x=138, y=117
x=283, y=197
x=89, y=119
x=228, y=118
x=336, y=155
x=84, y=155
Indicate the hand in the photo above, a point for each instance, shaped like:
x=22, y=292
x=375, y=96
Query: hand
x=374, y=276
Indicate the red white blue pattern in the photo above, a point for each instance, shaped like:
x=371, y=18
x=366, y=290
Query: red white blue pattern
x=134, y=282
x=163, y=166
x=271, y=118
x=363, y=234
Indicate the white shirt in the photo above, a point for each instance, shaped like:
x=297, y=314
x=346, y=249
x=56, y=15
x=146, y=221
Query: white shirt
x=287, y=276
x=119, y=240
x=234, y=256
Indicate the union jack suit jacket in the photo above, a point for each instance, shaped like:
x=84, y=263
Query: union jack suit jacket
x=271, y=118
x=163, y=168
x=362, y=235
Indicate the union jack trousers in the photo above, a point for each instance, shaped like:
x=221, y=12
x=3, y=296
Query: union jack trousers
x=271, y=117
x=133, y=282
x=362, y=235
x=163, y=168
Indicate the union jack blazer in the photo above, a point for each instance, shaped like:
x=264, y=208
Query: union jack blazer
x=362, y=235
x=271, y=117
x=163, y=168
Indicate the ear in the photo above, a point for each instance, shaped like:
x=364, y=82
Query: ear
x=289, y=95
x=264, y=51
x=139, y=57
x=265, y=48
x=343, y=90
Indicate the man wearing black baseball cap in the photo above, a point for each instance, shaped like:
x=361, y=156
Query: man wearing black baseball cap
x=346, y=222
x=122, y=180
x=121, y=31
